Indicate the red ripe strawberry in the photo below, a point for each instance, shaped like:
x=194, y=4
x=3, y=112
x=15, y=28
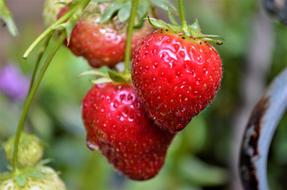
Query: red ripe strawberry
x=175, y=77
x=102, y=44
x=116, y=124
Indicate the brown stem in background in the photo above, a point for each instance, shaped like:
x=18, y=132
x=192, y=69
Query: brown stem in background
x=259, y=60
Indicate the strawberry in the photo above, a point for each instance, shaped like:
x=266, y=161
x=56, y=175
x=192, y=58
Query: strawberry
x=33, y=178
x=102, y=44
x=30, y=150
x=51, y=10
x=116, y=124
x=175, y=76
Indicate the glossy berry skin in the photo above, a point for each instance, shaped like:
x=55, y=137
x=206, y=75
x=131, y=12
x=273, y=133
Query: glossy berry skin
x=102, y=44
x=117, y=125
x=175, y=77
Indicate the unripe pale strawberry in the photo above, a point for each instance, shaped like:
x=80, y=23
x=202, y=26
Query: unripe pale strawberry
x=39, y=178
x=30, y=150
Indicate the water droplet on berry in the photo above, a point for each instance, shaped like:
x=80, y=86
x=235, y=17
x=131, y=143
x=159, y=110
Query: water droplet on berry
x=92, y=146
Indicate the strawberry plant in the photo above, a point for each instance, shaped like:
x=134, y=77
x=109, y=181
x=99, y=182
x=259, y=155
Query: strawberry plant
x=171, y=73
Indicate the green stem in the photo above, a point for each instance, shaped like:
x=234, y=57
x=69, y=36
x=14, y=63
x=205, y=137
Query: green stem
x=129, y=39
x=182, y=17
x=38, y=61
x=29, y=98
x=55, y=26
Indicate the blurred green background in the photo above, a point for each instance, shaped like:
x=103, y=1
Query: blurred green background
x=204, y=155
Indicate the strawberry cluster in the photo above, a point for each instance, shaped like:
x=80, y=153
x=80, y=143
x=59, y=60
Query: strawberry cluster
x=133, y=118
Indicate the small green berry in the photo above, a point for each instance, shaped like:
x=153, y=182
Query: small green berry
x=30, y=150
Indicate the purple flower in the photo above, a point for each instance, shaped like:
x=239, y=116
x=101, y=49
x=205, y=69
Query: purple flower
x=13, y=83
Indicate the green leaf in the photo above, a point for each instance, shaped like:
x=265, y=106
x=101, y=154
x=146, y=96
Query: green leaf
x=202, y=174
x=110, y=11
x=102, y=75
x=97, y=73
x=164, y=4
x=157, y=23
x=124, y=12
x=20, y=180
x=117, y=77
x=163, y=25
x=6, y=16
x=144, y=7
x=101, y=80
x=68, y=28
x=35, y=174
x=171, y=17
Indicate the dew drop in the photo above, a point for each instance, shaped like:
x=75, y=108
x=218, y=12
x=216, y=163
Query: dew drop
x=92, y=146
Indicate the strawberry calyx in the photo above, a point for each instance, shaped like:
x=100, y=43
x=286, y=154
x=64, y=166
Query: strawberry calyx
x=105, y=75
x=188, y=32
x=121, y=10
x=21, y=174
x=38, y=177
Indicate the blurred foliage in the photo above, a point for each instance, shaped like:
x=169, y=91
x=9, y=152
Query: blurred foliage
x=199, y=156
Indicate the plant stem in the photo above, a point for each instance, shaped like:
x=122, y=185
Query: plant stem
x=28, y=101
x=56, y=25
x=129, y=39
x=182, y=17
x=38, y=61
